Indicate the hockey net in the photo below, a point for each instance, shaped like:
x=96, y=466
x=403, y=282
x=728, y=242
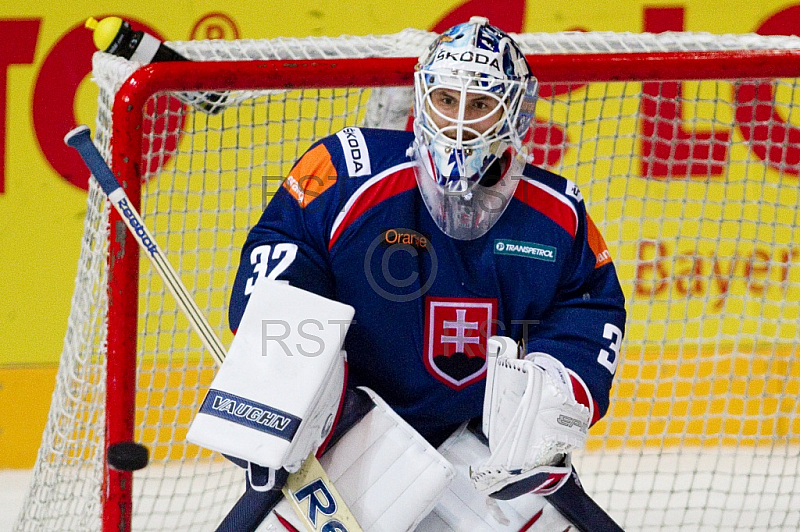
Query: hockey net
x=685, y=147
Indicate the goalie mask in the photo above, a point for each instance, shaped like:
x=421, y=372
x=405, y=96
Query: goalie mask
x=474, y=103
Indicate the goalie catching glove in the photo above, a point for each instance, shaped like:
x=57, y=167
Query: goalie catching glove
x=532, y=421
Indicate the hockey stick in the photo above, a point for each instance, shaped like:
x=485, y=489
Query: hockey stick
x=580, y=509
x=571, y=500
x=340, y=517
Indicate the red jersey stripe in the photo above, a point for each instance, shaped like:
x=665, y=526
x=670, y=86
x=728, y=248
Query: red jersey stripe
x=550, y=203
x=582, y=394
x=390, y=183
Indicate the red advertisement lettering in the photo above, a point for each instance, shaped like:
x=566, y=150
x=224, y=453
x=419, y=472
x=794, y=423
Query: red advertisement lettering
x=695, y=274
x=771, y=138
x=651, y=272
x=66, y=65
x=668, y=148
x=18, y=41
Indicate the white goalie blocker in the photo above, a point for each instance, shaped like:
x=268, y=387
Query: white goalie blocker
x=274, y=399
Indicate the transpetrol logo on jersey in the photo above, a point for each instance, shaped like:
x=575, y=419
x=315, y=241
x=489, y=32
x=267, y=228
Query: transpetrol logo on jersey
x=529, y=250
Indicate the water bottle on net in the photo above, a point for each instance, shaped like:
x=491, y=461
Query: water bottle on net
x=115, y=36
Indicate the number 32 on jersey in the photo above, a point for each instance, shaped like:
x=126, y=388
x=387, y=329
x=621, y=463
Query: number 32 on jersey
x=269, y=262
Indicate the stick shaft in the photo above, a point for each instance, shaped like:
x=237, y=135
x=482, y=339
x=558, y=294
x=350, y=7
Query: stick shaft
x=80, y=139
x=577, y=506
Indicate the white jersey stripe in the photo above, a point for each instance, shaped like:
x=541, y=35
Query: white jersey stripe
x=356, y=153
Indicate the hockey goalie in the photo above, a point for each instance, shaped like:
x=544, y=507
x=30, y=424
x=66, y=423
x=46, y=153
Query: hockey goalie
x=456, y=317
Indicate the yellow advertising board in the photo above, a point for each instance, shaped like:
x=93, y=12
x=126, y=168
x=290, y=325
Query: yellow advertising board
x=45, y=89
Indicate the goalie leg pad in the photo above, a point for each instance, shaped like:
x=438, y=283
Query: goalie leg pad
x=388, y=475
x=462, y=507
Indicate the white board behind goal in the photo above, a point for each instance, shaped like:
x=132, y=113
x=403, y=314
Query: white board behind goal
x=687, y=150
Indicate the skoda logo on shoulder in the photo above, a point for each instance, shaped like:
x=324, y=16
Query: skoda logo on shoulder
x=499, y=245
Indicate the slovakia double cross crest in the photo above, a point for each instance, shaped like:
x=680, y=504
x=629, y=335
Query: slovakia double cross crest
x=456, y=335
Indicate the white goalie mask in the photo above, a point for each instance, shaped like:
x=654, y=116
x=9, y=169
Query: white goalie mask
x=474, y=104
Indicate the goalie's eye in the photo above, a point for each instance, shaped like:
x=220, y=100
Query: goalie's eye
x=481, y=104
x=445, y=101
x=476, y=106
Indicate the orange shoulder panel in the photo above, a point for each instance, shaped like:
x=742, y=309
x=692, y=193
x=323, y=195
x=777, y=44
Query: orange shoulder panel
x=597, y=243
x=313, y=174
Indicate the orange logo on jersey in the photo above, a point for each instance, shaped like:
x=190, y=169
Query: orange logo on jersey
x=597, y=244
x=407, y=237
x=313, y=174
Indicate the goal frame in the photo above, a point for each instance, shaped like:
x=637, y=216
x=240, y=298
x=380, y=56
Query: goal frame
x=126, y=164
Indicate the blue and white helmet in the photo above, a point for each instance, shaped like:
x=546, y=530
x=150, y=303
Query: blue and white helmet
x=473, y=58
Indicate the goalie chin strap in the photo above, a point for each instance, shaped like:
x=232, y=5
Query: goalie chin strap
x=258, y=500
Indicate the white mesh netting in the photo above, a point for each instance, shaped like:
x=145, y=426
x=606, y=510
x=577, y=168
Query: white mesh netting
x=694, y=187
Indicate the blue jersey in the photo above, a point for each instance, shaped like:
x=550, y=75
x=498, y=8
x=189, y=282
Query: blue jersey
x=349, y=223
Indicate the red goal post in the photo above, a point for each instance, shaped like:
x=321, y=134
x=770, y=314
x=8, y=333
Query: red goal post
x=684, y=151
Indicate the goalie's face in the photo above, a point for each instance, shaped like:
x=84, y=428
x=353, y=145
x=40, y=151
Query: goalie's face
x=463, y=121
x=470, y=115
